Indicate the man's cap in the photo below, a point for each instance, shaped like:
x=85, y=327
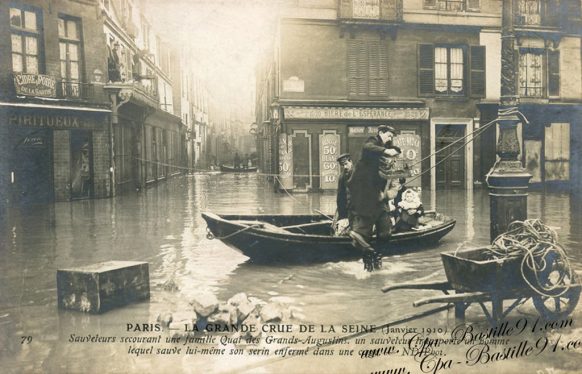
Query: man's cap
x=344, y=156
x=385, y=128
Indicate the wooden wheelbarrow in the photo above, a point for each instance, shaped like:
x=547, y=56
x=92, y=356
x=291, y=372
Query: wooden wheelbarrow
x=472, y=278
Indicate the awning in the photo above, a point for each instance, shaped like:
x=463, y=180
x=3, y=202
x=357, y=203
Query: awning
x=62, y=107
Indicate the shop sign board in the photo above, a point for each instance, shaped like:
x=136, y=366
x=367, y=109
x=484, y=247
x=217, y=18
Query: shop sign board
x=286, y=161
x=329, y=149
x=324, y=113
x=50, y=121
x=410, y=156
x=35, y=85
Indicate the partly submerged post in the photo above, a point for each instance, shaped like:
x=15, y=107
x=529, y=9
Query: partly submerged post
x=507, y=180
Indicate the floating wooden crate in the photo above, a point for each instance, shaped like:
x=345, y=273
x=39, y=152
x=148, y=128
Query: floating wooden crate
x=103, y=286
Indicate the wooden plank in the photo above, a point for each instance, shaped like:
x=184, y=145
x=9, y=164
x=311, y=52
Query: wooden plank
x=440, y=285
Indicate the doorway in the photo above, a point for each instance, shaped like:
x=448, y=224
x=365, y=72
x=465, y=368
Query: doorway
x=450, y=169
x=81, y=161
x=31, y=166
x=301, y=161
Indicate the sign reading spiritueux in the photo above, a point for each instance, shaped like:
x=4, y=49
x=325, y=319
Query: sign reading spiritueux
x=49, y=121
x=35, y=85
x=297, y=112
x=329, y=148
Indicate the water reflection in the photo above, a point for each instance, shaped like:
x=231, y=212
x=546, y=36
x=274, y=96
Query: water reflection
x=163, y=226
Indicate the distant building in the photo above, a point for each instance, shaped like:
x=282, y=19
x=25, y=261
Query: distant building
x=431, y=69
x=148, y=133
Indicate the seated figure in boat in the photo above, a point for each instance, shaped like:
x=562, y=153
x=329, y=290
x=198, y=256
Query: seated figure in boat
x=341, y=224
x=410, y=209
x=394, y=191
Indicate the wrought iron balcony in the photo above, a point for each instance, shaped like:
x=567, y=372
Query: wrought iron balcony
x=79, y=91
x=135, y=91
x=370, y=10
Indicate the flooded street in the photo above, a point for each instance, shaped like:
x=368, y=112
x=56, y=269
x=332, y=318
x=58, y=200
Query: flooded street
x=163, y=226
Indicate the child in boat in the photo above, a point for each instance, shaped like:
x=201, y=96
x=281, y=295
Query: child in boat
x=410, y=209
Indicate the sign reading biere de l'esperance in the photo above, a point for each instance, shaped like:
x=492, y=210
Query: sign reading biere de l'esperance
x=35, y=85
x=296, y=112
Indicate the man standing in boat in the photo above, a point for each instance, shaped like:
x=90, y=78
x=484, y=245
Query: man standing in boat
x=367, y=194
x=341, y=219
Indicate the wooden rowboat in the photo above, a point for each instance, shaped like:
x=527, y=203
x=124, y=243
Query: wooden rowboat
x=232, y=169
x=308, y=238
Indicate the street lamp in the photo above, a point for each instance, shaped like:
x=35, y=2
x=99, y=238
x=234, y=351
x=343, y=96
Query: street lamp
x=507, y=180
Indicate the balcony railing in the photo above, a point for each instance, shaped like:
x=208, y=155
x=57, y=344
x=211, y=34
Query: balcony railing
x=538, y=13
x=371, y=10
x=75, y=90
x=452, y=5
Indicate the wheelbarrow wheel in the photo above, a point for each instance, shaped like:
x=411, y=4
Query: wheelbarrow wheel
x=553, y=308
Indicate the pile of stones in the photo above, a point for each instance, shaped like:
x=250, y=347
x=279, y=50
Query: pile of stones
x=208, y=314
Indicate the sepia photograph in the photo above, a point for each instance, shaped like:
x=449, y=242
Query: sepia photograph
x=290, y=186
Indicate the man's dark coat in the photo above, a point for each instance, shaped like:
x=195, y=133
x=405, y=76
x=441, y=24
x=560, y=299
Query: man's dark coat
x=365, y=184
x=343, y=196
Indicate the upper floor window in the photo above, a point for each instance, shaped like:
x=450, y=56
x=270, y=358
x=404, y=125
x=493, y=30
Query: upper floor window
x=450, y=71
x=452, y=5
x=539, y=73
x=70, y=50
x=367, y=68
x=25, y=35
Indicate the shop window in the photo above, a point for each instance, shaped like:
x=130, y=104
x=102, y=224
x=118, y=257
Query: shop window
x=70, y=51
x=557, y=152
x=443, y=70
x=539, y=73
x=367, y=68
x=26, y=39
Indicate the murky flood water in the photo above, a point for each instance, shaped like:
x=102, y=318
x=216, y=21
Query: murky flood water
x=163, y=226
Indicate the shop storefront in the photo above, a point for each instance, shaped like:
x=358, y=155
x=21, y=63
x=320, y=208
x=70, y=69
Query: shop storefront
x=312, y=137
x=55, y=153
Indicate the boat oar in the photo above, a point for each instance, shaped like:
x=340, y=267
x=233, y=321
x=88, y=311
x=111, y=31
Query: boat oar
x=304, y=225
x=323, y=214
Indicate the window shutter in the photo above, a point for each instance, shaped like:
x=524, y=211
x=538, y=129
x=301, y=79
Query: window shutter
x=363, y=73
x=353, y=82
x=357, y=68
x=374, y=68
x=383, y=68
x=345, y=9
x=425, y=69
x=478, y=71
x=553, y=73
